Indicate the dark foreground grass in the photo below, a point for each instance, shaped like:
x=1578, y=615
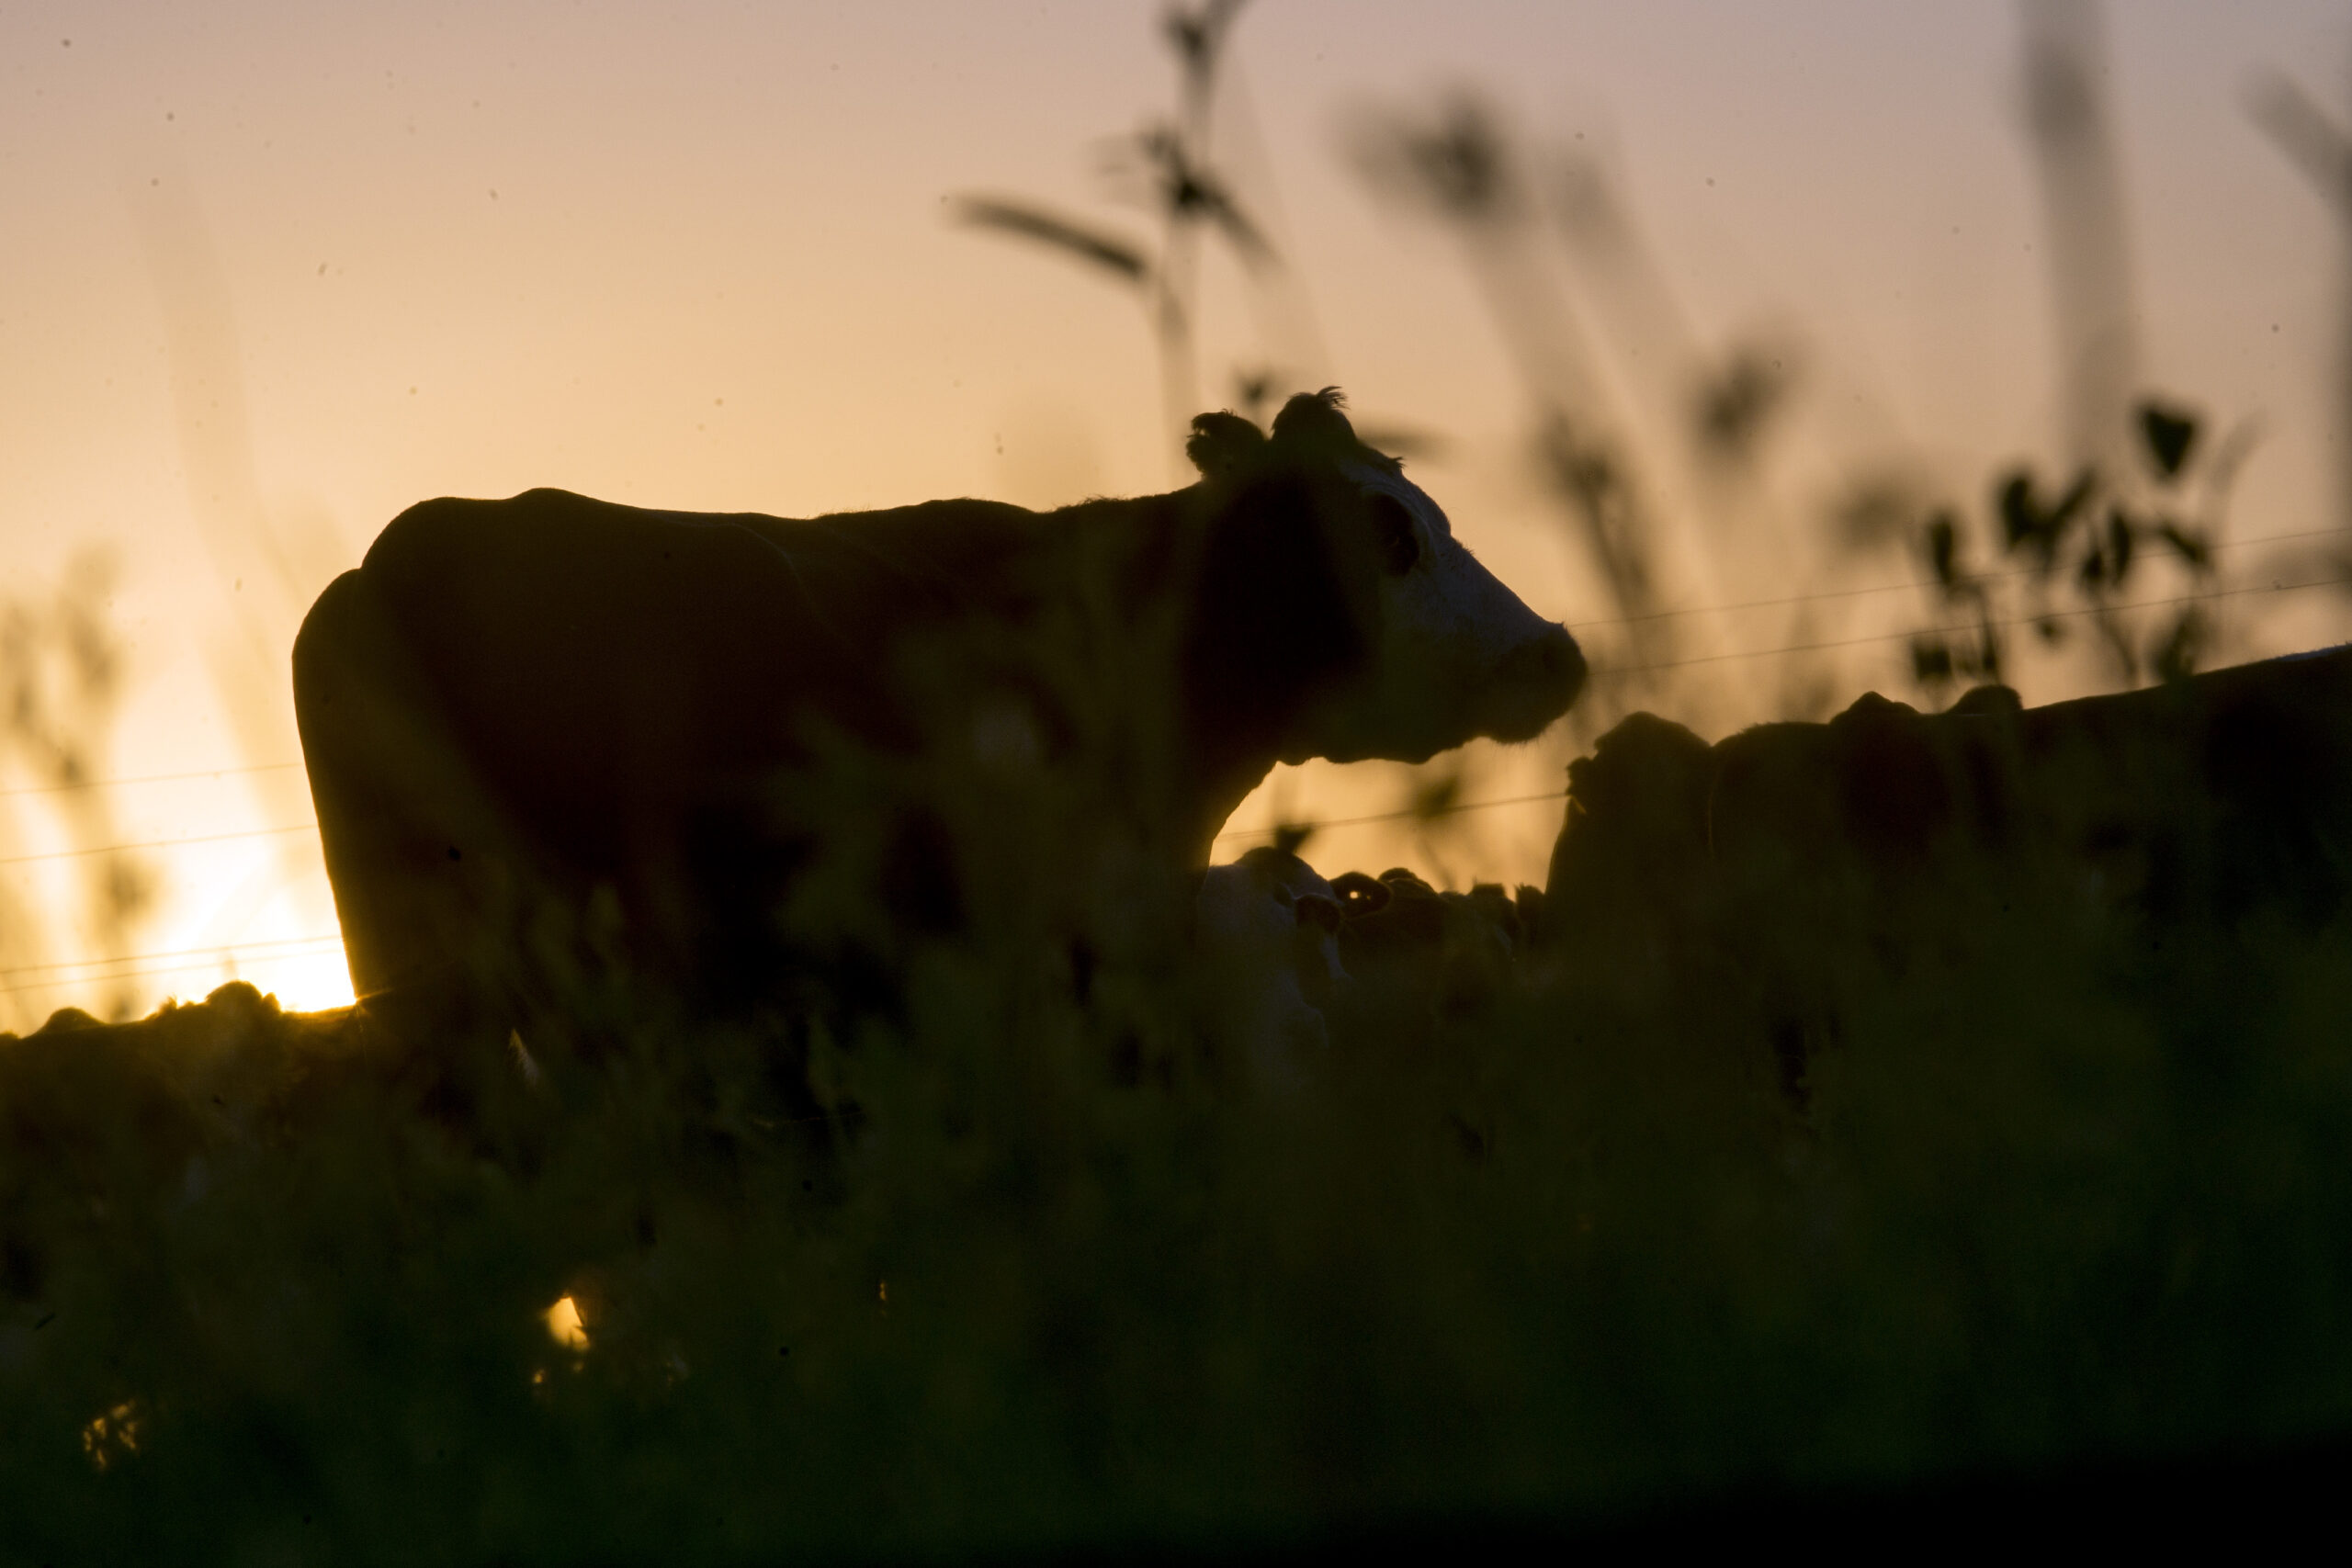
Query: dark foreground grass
x=2054, y=1187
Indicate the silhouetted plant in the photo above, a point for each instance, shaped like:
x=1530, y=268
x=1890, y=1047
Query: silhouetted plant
x=2070, y=131
x=1709, y=412
x=1033, y=1269
x=61, y=689
x=2068, y=556
x=1736, y=407
x=1457, y=165
x=1720, y=403
x=2317, y=143
x=1167, y=166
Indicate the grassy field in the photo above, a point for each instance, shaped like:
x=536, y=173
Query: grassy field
x=2050, y=1183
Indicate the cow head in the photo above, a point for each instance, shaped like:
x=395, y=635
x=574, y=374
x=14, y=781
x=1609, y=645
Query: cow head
x=1337, y=615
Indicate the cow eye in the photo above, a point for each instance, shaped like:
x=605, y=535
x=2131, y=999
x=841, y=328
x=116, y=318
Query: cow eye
x=1400, y=540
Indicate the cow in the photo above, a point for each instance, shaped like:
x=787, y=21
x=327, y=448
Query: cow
x=1266, y=933
x=2209, y=798
x=554, y=736
x=1788, y=855
x=1415, y=956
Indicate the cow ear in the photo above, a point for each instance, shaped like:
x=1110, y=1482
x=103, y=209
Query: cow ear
x=1312, y=421
x=1220, y=443
x=1398, y=534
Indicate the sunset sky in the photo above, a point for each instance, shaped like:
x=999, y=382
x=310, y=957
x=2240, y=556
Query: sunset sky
x=272, y=272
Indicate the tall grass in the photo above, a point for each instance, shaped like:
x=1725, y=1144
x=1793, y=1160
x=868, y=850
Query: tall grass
x=1790, y=1196
x=2057, y=1182
x=63, y=682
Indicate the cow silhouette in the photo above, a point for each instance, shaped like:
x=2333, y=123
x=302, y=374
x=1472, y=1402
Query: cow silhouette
x=713, y=750
x=2209, y=798
x=1778, y=862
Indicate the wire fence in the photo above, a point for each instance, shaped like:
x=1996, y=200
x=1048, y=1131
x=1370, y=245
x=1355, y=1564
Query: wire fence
x=135, y=966
x=2008, y=622
x=213, y=952
x=230, y=957
x=82, y=785
x=1924, y=585
x=1600, y=671
x=160, y=843
x=1424, y=813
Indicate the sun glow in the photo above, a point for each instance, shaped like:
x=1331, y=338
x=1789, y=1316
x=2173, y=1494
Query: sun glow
x=563, y=1322
x=307, y=982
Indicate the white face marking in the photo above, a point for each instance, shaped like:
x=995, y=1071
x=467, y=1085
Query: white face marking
x=1446, y=629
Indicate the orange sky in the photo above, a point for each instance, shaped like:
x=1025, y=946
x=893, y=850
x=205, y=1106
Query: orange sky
x=274, y=271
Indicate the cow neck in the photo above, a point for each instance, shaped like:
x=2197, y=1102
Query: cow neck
x=1220, y=757
x=1184, y=776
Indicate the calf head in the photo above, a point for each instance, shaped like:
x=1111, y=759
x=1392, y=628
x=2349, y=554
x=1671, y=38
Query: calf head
x=1336, y=615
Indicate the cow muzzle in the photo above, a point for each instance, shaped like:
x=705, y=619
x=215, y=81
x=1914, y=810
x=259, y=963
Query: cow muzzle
x=1535, y=683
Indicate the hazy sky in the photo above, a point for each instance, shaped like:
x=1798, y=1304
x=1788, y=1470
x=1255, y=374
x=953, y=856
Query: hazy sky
x=274, y=271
